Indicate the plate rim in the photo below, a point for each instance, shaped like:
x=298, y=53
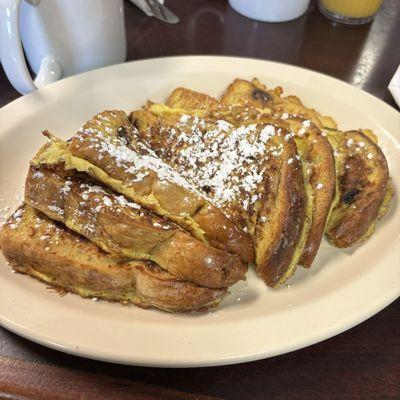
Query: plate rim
x=221, y=361
x=149, y=59
x=230, y=360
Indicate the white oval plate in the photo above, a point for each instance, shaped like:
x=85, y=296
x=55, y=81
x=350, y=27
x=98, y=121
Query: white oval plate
x=341, y=290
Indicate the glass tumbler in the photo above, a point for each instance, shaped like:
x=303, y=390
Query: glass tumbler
x=352, y=12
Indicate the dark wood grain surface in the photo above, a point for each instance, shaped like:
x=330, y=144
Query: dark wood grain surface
x=363, y=363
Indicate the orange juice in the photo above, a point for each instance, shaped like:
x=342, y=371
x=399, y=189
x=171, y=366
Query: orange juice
x=352, y=8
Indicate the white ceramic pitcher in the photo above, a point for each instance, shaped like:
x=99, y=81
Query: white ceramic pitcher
x=59, y=37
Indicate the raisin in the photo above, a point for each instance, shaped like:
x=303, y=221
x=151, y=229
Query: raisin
x=260, y=95
x=348, y=197
x=207, y=188
x=123, y=133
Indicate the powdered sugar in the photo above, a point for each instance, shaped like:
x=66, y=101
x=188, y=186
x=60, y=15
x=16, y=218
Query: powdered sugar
x=55, y=209
x=267, y=133
x=223, y=160
x=122, y=201
x=138, y=160
x=301, y=131
x=67, y=186
x=38, y=174
x=18, y=214
x=107, y=201
x=16, y=219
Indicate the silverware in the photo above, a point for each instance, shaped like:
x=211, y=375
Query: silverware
x=161, y=12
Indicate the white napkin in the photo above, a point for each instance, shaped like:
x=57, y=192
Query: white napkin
x=394, y=86
x=142, y=4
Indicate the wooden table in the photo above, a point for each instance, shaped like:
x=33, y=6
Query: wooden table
x=363, y=363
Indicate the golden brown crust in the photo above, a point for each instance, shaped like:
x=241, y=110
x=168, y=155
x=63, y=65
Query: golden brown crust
x=271, y=100
x=277, y=241
x=126, y=229
x=179, y=97
x=116, y=156
x=151, y=128
x=42, y=248
x=314, y=150
x=281, y=222
x=363, y=181
x=319, y=170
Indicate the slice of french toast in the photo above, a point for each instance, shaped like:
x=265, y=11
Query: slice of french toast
x=126, y=229
x=320, y=177
x=251, y=171
x=313, y=147
x=272, y=101
x=363, y=186
x=48, y=251
x=109, y=149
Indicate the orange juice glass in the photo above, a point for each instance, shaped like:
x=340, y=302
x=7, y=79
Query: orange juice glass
x=353, y=12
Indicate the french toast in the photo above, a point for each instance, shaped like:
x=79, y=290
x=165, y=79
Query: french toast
x=363, y=190
x=186, y=99
x=313, y=147
x=250, y=171
x=48, y=251
x=272, y=101
x=165, y=208
x=126, y=229
x=109, y=149
x=363, y=187
x=320, y=175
